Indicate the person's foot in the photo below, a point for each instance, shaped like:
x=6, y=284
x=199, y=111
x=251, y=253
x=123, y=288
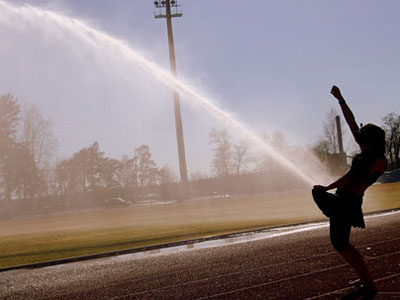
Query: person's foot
x=369, y=295
x=369, y=292
x=356, y=294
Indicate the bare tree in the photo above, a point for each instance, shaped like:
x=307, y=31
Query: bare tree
x=391, y=124
x=328, y=143
x=330, y=132
x=321, y=150
x=240, y=156
x=9, y=120
x=166, y=175
x=222, y=162
x=326, y=149
x=19, y=174
x=37, y=136
x=31, y=181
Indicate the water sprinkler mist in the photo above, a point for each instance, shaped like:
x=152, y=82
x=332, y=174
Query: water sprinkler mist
x=100, y=41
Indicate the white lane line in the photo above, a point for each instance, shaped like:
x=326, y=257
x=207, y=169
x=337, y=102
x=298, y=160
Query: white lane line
x=281, y=231
x=277, y=232
x=253, y=269
x=240, y=238
x=246, y=287
x=339, y=291
x=389, y=213
x=306, y=274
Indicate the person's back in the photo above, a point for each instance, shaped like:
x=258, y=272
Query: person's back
x=366, y=167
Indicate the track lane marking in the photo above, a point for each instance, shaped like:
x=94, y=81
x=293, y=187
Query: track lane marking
x=247, y=287
x=267, y=266
x=380, y=242
x=251, y=270
x=349, y=288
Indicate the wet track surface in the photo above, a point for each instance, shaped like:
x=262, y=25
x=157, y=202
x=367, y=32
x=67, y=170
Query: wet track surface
x=291, y=263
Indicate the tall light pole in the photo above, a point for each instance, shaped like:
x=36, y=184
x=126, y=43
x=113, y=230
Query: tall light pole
x=164, y=11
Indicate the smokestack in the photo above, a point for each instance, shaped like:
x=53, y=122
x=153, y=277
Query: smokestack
x=339, y=135
x=340, y=138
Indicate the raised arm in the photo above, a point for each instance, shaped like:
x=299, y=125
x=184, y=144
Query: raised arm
x=348, y=114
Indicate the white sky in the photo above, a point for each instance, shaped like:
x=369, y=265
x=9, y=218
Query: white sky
x=270, y=63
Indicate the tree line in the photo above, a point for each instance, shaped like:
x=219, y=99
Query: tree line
x=27, y=149
x=391, y=125
x=24, y=152
x=28, y=171
x=239, y=169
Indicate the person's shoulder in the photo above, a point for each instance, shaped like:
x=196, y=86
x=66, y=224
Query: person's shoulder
x=381, y=164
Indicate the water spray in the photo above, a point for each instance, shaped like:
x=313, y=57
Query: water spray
x=97, y=39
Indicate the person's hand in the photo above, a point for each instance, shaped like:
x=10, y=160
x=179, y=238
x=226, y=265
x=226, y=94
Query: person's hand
x=335, y=91
x=320, y=187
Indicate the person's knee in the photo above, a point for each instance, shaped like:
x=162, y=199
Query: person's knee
x=320, y=196
x=340, y=244
x=323, y=201
x=316, y=193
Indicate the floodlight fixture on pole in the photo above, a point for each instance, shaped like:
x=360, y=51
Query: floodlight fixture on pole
x=169, y=9
x=162, y=8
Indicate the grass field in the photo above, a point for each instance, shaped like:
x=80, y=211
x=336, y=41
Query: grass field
x=25, y=241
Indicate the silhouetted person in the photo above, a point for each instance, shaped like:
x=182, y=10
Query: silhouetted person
x=344, y=207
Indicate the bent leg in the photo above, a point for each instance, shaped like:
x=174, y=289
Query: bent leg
x=339, y=230
x=355, y=259
x=325, y=201
x=340, y=235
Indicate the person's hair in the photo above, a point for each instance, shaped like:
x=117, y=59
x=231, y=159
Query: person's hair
x=372, y=136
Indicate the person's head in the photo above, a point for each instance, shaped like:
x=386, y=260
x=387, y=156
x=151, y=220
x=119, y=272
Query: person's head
x=371, y=137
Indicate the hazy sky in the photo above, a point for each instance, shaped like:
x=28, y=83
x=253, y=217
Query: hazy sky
x=269, y=63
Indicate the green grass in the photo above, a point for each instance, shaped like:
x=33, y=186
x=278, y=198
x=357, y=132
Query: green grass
x=31, y=240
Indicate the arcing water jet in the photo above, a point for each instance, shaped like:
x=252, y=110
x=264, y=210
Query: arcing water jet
x=100, y=41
